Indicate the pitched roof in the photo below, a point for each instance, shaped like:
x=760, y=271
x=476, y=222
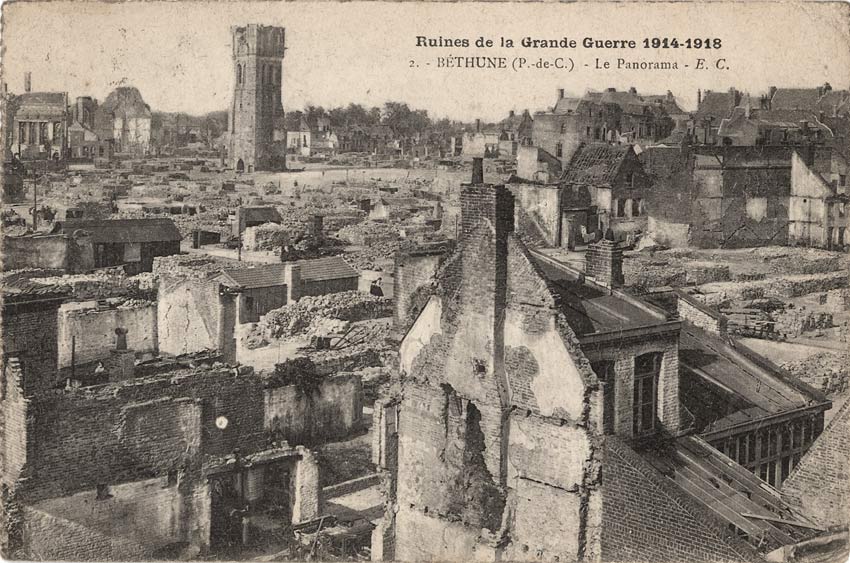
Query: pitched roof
x=795, y=98
x=595, y=163
x=271, y=275
x=41, y=104
x=760, y=388
x=566, y=105
x=718, y=105
x=123, y=230
x=730, y=493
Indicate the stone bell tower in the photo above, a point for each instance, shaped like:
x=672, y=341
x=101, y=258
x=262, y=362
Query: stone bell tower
x=257, y=108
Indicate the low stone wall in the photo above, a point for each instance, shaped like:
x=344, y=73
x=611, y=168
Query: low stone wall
x=785, y=286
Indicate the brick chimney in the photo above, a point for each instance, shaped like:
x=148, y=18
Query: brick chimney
x=605, y=262
x=560, y=93
x=27, y=82
x=699, y=97
x=477, y=125
x=292, y=279
x=480, y=202
x=477, y=170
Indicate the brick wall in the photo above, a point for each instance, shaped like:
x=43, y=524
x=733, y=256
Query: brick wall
x=29, y=333
x=139, y=428
x=820, y=484
x=647, y=518
x=700, y=315
x=411, y=272
x=623, y=353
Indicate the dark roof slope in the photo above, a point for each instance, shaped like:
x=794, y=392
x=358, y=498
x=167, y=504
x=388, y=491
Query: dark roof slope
x=271, y=275
x=263, y=214
x=123, y=230
x=596, y=163
x=795, y=98
x=718, y=105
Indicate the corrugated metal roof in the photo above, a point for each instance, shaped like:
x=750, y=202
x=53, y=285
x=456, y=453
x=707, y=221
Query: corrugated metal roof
x=124, y=230
x=271, y=275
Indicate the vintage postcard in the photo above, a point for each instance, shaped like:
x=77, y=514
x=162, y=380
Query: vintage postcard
x=421, y=281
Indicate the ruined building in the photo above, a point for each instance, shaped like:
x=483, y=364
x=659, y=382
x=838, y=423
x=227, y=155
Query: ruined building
x=37, y=124
x=257, y=109
x=540, y=418
x=165, y=460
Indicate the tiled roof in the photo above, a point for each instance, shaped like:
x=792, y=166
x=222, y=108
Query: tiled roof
x=328, y=268
x=567, y=105
x=123, y=230
x=270, y=275
x=595, y=163
x=795, y=98
x=718, y=105
x=15, y=289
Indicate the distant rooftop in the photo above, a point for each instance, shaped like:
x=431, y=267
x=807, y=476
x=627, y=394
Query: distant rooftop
x=123, y=230
x=271, y=275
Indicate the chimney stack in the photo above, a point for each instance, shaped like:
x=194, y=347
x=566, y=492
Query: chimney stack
x=477, y=170
x=292, y=279
x=511, y=114
x=699, y=97
x=28, y=82
x=560, y=93
x=477, y=125
x=605, y=262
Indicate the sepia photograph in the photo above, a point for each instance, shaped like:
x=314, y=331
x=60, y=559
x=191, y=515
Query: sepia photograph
x=425, y=281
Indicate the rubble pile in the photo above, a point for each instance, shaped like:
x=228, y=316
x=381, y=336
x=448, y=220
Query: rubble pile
x=827, y=371
x=658, y=271
x=268, y=236
x=838, y=299
x=376, y=255
x=100, y=284
x=297, y=318
x=797, y=321
x=369, y=233
x=193, y=266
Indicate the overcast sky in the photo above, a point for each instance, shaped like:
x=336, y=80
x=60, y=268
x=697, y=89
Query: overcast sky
x=178, y=53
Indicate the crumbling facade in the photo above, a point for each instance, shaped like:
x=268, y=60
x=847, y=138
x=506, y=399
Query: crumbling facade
x=257, y=109
x=539, y=418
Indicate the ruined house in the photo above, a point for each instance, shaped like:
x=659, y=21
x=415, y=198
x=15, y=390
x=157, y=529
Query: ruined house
x=253, y=216
x=618, y=185
x=172, y=459
x=131, y=243
x=739, y=196
x=270, y=286
x=539, y=419
x=712, y=109
x=125, y=119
